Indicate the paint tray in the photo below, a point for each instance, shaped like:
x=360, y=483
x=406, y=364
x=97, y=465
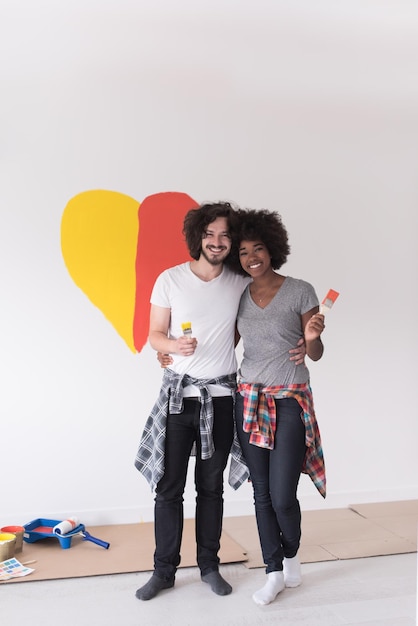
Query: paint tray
x=43, y=529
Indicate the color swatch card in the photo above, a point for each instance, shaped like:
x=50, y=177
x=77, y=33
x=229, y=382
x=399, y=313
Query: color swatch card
x=12, y=568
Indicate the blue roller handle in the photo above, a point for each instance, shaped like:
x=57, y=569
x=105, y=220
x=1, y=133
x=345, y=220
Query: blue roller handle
x=99, y=542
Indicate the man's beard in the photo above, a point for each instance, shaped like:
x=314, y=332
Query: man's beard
x=217, y=260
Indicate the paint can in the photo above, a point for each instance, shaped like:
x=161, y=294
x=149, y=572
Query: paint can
x=7, y=546
x=18, y=531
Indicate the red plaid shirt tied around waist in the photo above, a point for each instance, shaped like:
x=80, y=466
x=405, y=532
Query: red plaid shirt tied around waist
x=260, y=422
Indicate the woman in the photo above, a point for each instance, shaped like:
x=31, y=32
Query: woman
x=275, y=418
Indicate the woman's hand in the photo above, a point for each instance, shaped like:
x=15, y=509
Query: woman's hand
x=165, y=360
x=314, y=327
x=298, y=353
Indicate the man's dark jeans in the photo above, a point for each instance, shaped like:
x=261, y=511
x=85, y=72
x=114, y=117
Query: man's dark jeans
x=182, y=432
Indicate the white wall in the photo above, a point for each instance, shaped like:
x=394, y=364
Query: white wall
x=309, y=108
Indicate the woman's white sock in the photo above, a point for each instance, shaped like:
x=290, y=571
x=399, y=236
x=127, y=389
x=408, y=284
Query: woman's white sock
x=292, y=572
x=274, y=585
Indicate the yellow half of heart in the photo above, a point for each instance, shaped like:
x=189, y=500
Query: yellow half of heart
x=99, y=234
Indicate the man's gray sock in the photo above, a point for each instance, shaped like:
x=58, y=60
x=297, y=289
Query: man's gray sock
x=153, y=587
x=217, y=583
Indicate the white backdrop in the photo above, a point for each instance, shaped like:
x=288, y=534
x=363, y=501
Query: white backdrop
x=309, y=108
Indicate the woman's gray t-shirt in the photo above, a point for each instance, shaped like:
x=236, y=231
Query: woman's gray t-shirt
x=268, y=334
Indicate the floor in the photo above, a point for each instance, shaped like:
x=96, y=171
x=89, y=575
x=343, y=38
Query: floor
x=376, y=591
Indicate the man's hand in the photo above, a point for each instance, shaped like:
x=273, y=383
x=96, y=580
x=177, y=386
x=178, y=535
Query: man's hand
x=185, y=346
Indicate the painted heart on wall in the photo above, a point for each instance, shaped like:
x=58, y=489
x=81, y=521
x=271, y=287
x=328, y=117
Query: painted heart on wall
x=115, y=247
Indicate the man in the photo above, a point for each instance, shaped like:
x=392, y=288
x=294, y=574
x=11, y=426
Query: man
x=194, y=411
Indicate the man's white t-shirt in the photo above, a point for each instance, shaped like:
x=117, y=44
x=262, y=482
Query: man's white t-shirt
x=211, y=307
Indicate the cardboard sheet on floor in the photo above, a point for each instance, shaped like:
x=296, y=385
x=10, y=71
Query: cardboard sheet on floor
x=400, y=518
x=362, y=530
x=131, y=550
x=332, y=534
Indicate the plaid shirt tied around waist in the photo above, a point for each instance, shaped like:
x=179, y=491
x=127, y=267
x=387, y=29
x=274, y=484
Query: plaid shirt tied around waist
x=150, y=456
x=260, y=421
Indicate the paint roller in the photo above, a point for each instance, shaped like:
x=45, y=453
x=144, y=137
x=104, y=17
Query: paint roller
x=72, y=526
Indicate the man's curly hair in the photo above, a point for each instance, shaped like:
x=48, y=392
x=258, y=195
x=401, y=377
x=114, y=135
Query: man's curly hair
x=197, y=220
x=262, y=225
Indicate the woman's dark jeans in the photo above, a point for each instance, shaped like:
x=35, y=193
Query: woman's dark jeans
x=275, y=476
x=182, y=432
